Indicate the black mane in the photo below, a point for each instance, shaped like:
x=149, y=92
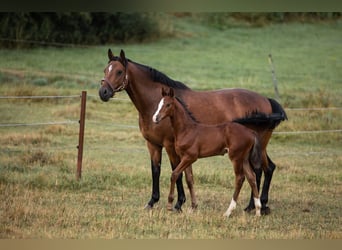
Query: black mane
x=157, y=76
x=186, y=109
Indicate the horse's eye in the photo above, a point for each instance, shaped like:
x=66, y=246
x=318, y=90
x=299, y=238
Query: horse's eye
x=168, y=105
x=119, y=72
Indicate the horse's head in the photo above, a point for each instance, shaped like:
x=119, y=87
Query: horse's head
x=115, y=78
x=165, y=106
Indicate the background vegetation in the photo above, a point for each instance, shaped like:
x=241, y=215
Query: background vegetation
x=39, y=28
x=40, y=197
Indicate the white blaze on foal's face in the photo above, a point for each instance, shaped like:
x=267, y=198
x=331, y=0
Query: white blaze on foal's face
x=110, y=68
x=160, y=105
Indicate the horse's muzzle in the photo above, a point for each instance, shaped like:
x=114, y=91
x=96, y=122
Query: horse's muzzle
x=105, y=93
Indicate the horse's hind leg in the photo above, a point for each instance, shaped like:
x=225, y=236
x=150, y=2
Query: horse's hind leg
x=239, y=179
x=266, y=186
x=250, y=175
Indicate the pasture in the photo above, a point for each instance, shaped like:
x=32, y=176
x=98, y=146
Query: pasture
x=41, y=198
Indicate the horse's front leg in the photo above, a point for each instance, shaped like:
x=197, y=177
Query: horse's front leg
x=155, y=154
x=250, y=175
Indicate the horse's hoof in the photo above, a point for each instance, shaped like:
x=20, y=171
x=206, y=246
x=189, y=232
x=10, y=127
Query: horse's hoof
x=249, y=209
x=148, y=207
x=265, y=211
x=178, y=210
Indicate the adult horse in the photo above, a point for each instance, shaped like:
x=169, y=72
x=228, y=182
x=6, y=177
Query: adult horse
x=143, y=85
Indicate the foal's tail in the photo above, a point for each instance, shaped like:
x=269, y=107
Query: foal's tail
x=255, y=155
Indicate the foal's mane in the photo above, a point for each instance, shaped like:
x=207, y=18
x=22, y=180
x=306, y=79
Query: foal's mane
x=157, y=76
x=191, y=115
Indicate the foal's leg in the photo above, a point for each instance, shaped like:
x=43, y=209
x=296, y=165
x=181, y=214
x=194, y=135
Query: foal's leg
x=190, y=182
x=174, y=159
x=249, y=173
x=185, y=163
x=239, y=179
x=258, y=175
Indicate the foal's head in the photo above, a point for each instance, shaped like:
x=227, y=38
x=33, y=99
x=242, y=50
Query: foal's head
x=165, y=106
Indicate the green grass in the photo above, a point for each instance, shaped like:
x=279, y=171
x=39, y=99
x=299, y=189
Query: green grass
x=40, y=197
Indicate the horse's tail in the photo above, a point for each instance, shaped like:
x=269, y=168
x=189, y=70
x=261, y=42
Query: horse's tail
x=278, y=112
x=255, y=155
x=265, y=120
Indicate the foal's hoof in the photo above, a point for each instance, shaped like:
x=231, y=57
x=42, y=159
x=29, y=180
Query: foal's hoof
x=194, y=206
x=265, y=211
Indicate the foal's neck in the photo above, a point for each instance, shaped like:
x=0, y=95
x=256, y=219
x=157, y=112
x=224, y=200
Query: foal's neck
x=181, y=120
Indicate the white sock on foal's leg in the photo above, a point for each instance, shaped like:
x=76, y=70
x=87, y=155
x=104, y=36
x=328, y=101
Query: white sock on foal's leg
x=257, y=204
x=231, y=207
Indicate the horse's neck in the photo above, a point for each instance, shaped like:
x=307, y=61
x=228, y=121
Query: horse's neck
x=141, y=91
x=181, y=120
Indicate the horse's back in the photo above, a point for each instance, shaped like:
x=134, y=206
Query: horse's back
x=225, y=104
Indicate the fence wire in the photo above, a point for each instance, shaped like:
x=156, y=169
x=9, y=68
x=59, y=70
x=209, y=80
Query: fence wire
x=128, y=126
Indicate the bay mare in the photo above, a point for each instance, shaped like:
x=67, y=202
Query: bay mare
x=143, y=85
x=194, y=140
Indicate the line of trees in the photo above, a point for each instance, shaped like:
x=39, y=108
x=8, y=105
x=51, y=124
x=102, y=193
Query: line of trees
x=78, y=28
x=100, y=28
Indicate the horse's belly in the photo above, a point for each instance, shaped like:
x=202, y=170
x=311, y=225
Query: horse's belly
x=208, y=150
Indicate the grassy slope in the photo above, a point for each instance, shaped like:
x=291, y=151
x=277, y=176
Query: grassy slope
x=39, y=194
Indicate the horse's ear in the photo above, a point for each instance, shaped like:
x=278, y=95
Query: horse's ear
x=171, y=93
x=110, y=55
x=123, y=58
x=164, y=93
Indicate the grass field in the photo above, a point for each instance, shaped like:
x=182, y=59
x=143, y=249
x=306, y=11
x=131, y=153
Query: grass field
x=40, y=197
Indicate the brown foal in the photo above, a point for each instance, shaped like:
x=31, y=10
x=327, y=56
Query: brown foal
x=194, y=140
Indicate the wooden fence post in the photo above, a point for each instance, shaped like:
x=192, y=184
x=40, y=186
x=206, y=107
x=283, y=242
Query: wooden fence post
x=275, y=82
x=81, y=135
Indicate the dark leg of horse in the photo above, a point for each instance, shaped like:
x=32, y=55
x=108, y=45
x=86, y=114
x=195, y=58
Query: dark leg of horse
x=155, y=153
x=181, y=194
x=266, y=187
